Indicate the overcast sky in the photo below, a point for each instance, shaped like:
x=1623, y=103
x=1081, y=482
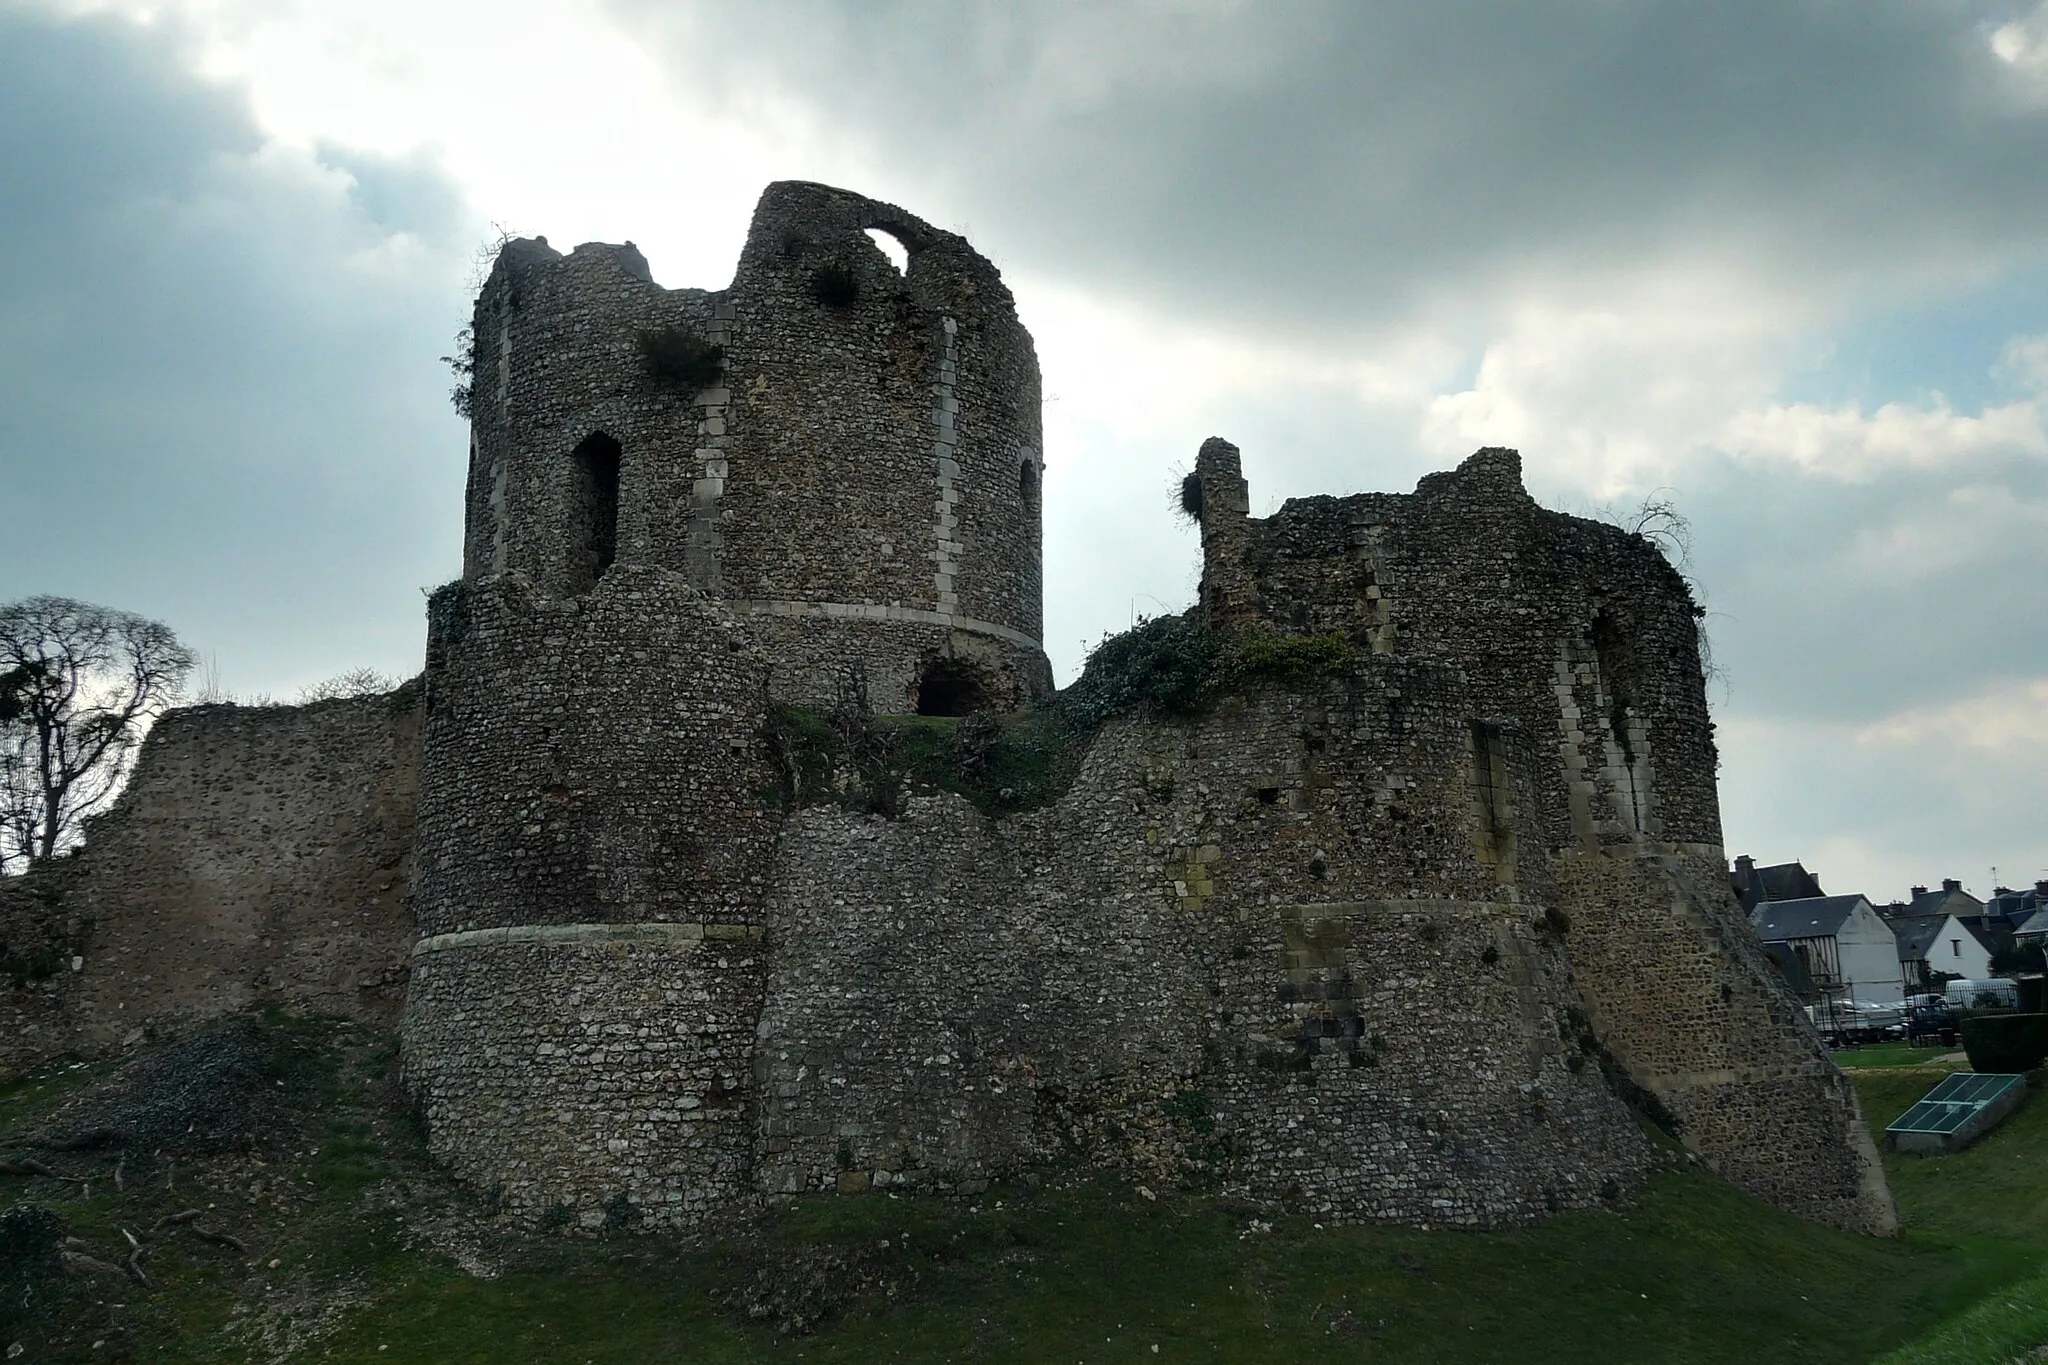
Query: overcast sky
x=1785, y=264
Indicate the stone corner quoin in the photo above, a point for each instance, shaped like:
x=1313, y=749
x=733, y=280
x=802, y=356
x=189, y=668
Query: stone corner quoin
x=1415, y=936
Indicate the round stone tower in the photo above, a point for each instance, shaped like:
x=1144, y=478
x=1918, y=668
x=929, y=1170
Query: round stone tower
x=847, y=452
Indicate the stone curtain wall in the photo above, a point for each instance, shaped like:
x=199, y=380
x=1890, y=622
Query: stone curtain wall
x=1678, y=988
x=1151, y=976
x=260, y=855
x=864, y=474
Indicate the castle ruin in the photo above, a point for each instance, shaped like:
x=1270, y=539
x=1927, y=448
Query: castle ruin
x=1420, y=933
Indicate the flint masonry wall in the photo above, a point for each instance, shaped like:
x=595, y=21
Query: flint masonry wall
x=259, y=855
x=1188, y=971
x=864, y=477
x=593, y=841
x=1591, y=767
x=1390, y=940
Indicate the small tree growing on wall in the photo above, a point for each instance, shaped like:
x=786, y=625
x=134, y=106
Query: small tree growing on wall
x=79, y=686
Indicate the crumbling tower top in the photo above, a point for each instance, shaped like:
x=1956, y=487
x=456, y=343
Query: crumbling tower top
x=848, y=453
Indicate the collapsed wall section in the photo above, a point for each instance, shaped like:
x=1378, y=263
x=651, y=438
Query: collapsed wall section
x=1592, y=766
x=595, y=821
x=259, y=855
x=1164, y=974
x=1678, y=987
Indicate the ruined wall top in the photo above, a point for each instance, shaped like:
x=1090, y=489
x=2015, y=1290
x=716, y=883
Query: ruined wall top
x=828, y=438
x=1570, y=635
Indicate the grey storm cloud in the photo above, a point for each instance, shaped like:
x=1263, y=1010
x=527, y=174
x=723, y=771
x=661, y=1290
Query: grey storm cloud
x=1330, y=161
x=219, y=397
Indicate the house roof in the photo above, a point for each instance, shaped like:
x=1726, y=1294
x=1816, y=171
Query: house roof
x=1936, y=902
x=1813, y=917
x=1917, y=935
x=1778, y=882
x=2034, y=926
x=2014, y=906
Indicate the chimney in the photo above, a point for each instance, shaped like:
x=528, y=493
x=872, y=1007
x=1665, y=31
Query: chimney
x=1919, y=891
x=2041, y=888
x=1951, y=884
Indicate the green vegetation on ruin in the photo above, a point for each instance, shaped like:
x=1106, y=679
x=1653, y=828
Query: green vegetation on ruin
x=1173, y=667
x=358, y=1250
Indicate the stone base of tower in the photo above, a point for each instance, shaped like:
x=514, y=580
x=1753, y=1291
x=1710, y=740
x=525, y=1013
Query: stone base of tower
x=601, y=1069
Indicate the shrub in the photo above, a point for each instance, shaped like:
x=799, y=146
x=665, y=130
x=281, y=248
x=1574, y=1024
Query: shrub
x=680, y=359
x=1177, y=665
x=2006, y=1043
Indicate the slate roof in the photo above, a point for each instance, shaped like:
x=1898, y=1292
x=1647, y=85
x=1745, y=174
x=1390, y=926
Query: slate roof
x=2033, y=926
x=1814, y=917
x=1917, y=935
x=1778, y=882
x=2014, y=906
x=1936, y=902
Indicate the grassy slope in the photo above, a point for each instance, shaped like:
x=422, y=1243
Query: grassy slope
x=1894, y=1054
x=1083, y=1271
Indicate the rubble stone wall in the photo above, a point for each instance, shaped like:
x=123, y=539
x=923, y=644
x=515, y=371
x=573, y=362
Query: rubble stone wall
x=259, y=855
x=1150, y=976
x=1414, y=928
x=864, y=469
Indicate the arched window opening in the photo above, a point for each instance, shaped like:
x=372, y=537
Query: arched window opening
x=898, y=254
x=951, y=687
x=593, y=511
x=1612, y=647
x=1027, y=482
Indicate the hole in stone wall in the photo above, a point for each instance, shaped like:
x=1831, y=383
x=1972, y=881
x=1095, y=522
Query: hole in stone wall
x=898, y=254
x=951, y=687
x=1027, y=483
x=1613, y=649
x=836, y=286
x=594, y=511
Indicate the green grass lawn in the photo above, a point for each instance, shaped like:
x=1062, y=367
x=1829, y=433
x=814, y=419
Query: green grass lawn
x=350, y=1232
x=1893, y=1054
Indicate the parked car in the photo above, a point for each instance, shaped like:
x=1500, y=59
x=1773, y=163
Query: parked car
x=1843, y=1022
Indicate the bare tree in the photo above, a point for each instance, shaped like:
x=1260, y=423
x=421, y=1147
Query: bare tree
x=357, y=682
x=79, y=687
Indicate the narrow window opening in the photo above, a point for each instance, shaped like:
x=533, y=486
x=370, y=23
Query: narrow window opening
x=1494, y=798
x=594, y=511
x=951, y=687
x=1027, y=483
x=898, y=254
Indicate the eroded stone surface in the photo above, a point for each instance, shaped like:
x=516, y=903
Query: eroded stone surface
x=1400, y=936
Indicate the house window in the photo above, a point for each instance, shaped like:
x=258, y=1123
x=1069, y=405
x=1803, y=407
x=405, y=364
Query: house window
x=1957, y=945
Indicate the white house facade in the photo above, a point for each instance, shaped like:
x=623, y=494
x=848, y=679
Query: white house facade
x=1845, y=945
